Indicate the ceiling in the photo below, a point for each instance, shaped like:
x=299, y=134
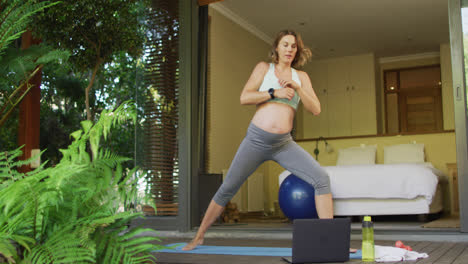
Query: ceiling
x=333, y=28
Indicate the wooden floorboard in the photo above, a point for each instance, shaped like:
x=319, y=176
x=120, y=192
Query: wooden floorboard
x=439, y=252
x=452, y=254
x=421, y=245
x=428, y=249
x=441, y=249
x=463, y=257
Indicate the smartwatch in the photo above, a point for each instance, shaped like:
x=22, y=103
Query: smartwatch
x=271, y=91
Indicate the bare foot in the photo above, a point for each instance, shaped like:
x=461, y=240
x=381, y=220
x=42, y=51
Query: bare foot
x=352, y=250
x=193, y=244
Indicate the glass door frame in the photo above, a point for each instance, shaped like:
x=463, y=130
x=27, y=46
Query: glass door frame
x=460, y=106
x=188, y=125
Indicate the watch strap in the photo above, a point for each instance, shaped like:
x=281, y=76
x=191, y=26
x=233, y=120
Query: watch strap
x=271, y=91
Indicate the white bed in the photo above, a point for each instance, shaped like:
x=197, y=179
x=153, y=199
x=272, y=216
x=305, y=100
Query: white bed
x=385, y=189
x=419, y=206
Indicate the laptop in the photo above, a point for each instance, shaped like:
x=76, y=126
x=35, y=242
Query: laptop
x=320, y=240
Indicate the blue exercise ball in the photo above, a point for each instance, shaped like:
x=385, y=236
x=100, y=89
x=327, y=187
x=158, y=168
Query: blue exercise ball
x=296, y=198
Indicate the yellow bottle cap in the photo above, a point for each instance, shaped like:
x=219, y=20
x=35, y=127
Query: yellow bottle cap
x=367, y=218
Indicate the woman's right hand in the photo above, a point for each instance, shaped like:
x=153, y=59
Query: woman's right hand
x=287, y=93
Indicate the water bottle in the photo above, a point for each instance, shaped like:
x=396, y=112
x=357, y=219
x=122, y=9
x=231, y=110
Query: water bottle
x=367, y=240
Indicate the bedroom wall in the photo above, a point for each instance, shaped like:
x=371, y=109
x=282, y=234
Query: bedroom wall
x=447, y=86
x=233, y=54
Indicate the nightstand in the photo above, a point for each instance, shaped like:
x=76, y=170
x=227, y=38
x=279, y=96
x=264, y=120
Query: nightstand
x=453, y=186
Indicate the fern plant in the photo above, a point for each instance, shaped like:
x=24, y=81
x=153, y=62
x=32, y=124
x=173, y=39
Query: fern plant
x=15, y=16
x=17, y=67
x=78, y=211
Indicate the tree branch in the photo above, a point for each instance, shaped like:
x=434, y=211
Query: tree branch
x=17, y=90
x=90, y=85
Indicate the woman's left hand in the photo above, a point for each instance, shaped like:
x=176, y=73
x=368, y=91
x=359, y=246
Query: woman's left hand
x=290, y=84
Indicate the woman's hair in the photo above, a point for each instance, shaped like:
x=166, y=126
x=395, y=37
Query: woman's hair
x=303, y=53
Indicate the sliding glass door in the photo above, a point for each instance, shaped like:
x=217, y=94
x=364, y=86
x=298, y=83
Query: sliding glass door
x=458, y=15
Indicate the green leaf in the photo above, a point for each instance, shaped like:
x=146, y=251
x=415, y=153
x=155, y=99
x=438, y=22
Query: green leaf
x=52, y=56
x=86, y=125
x=77, y=134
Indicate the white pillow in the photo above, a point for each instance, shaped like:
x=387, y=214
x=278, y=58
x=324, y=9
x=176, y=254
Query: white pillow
x=404, y=153
x=357, y=155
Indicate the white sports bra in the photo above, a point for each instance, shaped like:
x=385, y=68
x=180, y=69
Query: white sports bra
x=271, y=81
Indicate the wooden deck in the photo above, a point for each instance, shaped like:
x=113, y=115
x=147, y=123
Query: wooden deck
x=439, y=252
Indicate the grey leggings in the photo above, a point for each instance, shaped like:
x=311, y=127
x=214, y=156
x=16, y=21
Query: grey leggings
x=259, y=146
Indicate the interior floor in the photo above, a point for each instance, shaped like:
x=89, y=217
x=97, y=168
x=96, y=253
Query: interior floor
x=260, y=221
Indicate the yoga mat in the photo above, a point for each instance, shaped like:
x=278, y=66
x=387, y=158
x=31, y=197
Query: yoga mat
x=241, y=251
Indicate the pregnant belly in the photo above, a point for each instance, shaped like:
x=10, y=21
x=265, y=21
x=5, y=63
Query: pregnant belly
x=274, y=117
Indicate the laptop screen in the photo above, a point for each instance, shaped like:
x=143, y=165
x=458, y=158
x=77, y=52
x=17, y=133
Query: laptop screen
x=321, y=240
